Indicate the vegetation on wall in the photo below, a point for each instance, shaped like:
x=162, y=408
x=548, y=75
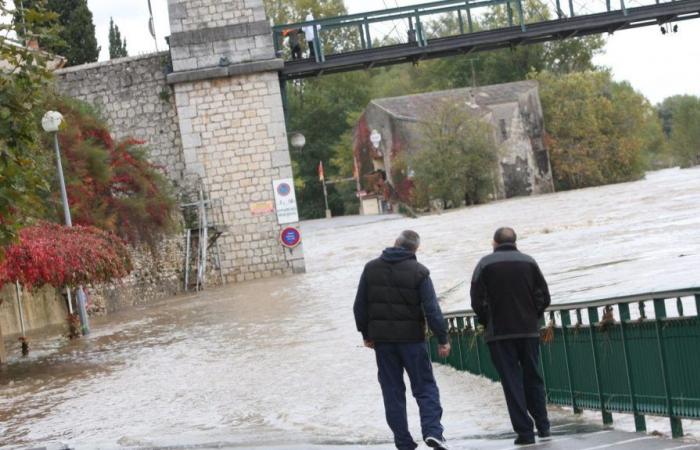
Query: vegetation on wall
x=56, y=255
x=111, y=184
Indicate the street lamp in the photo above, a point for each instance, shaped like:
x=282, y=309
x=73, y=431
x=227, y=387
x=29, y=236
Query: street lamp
x=51, y=123
x=298, y=141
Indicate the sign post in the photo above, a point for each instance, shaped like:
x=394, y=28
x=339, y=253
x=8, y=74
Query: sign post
x=285, y=201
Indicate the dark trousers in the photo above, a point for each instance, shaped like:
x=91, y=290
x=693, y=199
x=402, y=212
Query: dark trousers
x=312, y=49
x=517, y=362
x=392, y=360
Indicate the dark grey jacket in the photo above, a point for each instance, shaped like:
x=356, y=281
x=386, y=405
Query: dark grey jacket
x=509, y=294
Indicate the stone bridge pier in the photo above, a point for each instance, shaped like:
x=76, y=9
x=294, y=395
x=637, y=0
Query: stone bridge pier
x=232, y=126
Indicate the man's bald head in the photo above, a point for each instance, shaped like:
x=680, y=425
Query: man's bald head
x=505, y=235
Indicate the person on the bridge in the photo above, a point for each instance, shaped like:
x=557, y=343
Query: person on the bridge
x=310, y=34
x=394, y=299
x=509, y=295
x=292, y=35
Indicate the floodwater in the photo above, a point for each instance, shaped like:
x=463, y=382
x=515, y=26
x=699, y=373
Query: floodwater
x=278, y=361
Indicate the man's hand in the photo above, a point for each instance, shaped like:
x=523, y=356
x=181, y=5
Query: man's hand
x=444, y=350
x=369, y=344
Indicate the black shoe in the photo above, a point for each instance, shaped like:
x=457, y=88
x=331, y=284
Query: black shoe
x=544, y=434
x=523, y=440
x=438, y=443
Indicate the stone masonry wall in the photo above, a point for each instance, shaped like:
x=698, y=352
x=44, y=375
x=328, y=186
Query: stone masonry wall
x=133, y=96
x=205, y=31
x=233, y=129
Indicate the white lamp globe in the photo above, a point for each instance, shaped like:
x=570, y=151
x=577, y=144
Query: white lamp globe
x=51, y=121
x=375, y=138
x=298, y=140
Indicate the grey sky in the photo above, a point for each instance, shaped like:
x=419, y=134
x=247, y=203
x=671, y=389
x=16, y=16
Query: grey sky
x=656, y=65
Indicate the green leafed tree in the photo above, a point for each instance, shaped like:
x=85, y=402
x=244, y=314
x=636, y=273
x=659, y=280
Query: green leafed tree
x=76, y=36
x=457, y=158
x=24, y=161
x=117, y=45
x=595, y=129
x=681, y=122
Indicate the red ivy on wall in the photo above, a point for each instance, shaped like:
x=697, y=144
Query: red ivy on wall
x=55, y=255
x=112, y=185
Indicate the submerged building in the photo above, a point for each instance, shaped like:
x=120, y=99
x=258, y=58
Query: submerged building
x=390, y=127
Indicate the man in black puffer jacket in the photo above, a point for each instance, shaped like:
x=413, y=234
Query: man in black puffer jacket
x=509, y=296
x=394, y=300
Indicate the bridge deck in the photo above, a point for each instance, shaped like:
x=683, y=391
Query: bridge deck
x=607, y=22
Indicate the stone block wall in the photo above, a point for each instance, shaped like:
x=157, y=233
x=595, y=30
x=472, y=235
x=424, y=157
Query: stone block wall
x=205, y=31
x=133, y=96
x=233, y=132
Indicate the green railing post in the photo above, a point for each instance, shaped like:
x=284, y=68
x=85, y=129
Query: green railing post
x=623, y=7
x=571, y=8
x=470, y=23
x=509, y=10
x=592, y=321
x=368, y=37
x=362, y=36
x=460, y=330
x=460, y=19
x=697, y=304
x=476, y=345
x=565, y=322
x=560, y=13
x=639, y=420
x=521, y=16
x=422, y=42
x=276, y=41
x=660, y=313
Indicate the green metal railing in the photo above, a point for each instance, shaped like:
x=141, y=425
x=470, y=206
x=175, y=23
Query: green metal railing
x=415, y=18
x=638, y=354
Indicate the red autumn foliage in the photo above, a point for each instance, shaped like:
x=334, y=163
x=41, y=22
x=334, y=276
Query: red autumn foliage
x=51, y=254
x=111, y=184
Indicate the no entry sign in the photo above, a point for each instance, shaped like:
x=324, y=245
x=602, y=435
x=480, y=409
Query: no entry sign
x=290, y=237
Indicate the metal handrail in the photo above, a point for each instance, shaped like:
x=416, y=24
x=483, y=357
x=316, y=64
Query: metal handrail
x=610, y=301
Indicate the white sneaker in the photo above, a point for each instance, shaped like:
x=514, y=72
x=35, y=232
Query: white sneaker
x=434, y=442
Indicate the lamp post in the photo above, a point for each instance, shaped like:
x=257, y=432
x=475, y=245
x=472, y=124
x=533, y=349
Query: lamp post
x=51, y=122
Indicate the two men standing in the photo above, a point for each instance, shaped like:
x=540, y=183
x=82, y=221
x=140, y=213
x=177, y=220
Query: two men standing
x=396, y=298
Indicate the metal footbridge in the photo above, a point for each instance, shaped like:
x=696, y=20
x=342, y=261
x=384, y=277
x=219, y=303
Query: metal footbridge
x=408, y=34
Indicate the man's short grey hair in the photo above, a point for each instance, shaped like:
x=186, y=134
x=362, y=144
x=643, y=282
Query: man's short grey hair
x=409, y=240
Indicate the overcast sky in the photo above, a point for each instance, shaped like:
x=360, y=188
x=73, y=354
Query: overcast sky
x=659, y=66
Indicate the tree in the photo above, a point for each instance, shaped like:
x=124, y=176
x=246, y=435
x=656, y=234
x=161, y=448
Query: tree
x=681, y=122
x=457, y=160
x=117, y=46
x=593, y=126
x=77, y=41
x=24, y=160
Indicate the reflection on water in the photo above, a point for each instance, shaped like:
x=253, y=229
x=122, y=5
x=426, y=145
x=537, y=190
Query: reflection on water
x=279, y=361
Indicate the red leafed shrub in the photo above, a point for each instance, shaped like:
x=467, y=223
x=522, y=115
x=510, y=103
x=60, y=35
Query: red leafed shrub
x=51, y=254
x=111, y=184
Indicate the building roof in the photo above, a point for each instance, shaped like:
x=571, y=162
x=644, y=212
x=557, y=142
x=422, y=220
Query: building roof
x=479, y=99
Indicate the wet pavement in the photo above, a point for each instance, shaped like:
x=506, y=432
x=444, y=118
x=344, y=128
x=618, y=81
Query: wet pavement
x=278, y=364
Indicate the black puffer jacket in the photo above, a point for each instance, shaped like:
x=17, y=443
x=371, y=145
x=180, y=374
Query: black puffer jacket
x=395, y=299
x=509, y=294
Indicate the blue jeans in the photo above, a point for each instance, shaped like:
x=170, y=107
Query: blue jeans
x=392, y=360
x=517, y=362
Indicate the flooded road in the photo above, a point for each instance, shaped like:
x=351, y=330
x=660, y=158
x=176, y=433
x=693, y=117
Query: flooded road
x=278, y=361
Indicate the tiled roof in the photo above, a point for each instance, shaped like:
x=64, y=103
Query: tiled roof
x=479, y=99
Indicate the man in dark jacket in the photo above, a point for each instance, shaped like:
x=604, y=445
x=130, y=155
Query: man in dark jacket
x=394, y=299
x=509, y=296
